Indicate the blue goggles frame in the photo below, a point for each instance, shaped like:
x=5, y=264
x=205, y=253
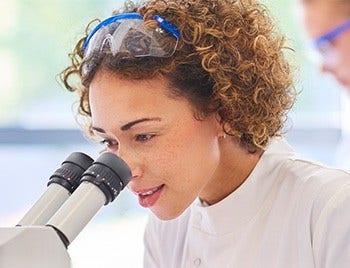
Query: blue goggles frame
x=332, y=34
x=162, y=23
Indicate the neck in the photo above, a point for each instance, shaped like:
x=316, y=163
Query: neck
x=235, y=166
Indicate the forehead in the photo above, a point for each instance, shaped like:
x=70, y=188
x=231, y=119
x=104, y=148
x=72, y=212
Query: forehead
x=321, y=16
x=110, y=93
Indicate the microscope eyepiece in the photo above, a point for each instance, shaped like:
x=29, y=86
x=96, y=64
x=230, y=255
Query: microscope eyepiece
x=69, y=173
x=109, y=173
x=100, y=184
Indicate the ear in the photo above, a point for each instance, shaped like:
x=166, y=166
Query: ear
x=220, y=126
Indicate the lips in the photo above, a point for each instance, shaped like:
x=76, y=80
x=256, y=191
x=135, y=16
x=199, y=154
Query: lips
x=149, y=197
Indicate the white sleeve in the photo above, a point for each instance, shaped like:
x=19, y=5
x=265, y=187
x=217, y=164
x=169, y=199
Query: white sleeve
x=331, y=241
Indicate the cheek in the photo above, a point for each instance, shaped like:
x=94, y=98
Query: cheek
x=342, y=46
x=192, y=157
x=203, y=159
x=346, y=58
x=185, y=170
x=343, y=67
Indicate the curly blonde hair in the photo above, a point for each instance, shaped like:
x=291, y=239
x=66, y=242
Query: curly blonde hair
x=229, y=61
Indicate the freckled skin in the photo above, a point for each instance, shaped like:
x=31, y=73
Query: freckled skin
x=187, y=156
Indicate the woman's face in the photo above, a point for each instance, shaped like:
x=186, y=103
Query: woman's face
x=172, y=156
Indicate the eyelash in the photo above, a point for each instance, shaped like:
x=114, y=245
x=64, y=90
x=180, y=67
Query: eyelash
x=139, y=138
x=108, y=143
x=144, y=137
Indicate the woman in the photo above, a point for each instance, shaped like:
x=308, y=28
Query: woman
x=193, y=95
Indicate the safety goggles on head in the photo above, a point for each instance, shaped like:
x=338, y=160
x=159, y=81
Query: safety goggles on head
x=127, y=33
x=324, y=43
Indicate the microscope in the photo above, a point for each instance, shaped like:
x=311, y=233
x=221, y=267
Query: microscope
x=75, y=193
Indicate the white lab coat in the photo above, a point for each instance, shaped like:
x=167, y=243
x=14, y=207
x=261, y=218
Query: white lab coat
x=288, y=213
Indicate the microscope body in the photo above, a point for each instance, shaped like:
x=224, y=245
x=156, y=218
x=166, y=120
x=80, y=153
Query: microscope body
x=32, y=247
x=76, y=192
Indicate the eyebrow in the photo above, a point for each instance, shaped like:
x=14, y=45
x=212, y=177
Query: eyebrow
x=130, y=124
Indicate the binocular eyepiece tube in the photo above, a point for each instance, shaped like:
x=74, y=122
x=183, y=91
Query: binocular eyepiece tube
x=76, y=191
x=61, y=185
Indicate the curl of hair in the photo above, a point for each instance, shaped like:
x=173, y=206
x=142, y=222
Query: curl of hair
x=229, y=61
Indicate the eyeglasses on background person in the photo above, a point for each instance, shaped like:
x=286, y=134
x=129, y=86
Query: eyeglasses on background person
x=324, y=43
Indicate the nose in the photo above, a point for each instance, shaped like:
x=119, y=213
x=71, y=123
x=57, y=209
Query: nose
x=331, y=60
x=326, y=68
x=132, y=161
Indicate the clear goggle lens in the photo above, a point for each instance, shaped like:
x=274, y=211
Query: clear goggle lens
x=126, y=33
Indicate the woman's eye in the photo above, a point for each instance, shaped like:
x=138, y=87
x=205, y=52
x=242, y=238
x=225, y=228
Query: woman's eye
x=144, y=137
x=109, y=143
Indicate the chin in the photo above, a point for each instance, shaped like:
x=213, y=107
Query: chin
x=166, y=214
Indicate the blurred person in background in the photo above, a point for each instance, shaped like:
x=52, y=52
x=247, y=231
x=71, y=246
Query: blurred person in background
x=328, y=24
x=193, y=95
